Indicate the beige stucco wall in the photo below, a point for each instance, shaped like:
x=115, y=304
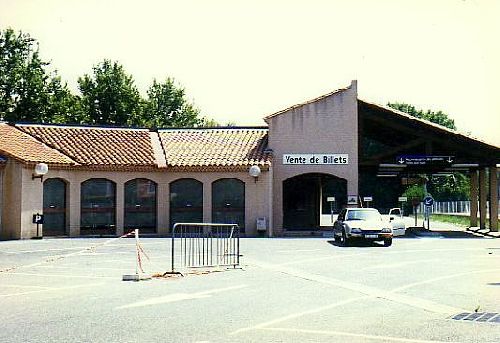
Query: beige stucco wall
x=1, y=198
x=328, y=126
x=25, y=197
x=22, y=197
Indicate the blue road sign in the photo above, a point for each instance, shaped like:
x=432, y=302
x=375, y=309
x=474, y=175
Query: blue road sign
x=428, y=201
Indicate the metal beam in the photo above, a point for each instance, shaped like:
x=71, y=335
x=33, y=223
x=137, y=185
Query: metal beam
x=397, y=149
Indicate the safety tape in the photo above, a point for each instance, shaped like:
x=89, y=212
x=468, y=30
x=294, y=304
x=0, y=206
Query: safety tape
x=60, y=257
x=140, y=250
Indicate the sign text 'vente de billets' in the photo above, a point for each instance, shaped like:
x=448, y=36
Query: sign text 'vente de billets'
x=315, y=159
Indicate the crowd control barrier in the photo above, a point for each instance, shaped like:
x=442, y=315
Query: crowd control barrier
x=197, y=245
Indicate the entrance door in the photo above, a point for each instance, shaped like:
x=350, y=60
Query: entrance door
x=54, y=207
x=301, y=203
x=305, y=200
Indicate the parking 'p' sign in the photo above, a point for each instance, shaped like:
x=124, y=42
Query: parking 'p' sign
x=38, y=218
x=428, y=201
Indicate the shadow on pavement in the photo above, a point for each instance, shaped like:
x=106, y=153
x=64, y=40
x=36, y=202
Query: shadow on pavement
x=358, y=243
x=418, y=232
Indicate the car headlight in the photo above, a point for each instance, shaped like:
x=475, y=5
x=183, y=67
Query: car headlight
x=355, y=230
x=386, y=230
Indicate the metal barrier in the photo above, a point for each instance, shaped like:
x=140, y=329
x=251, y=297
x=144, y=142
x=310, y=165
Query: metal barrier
x=205, y=245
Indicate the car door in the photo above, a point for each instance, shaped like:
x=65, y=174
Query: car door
x=339, y=223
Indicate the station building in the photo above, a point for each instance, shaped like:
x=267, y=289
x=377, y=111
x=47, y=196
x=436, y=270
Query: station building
x=279, y=178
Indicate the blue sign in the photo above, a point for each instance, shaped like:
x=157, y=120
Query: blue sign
x=428, y=201
x=424, y=159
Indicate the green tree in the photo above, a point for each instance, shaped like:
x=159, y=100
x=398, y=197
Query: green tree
x=28, y=92
x=109, y=96
x=450, y=187
x=415, y=192
x=455, y=186
x=436, y=117
x=167, y=106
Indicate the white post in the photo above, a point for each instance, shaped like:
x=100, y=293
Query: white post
x=136, y=233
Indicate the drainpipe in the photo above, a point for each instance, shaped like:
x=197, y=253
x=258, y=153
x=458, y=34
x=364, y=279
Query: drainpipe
x=270, y=199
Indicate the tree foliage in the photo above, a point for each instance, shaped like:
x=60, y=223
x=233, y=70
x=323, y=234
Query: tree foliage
x=415, y=192
x=450, y=187
x=436, y=117
x=28, y=92
x=167, y=106
x=454, y=186
x=109, y=95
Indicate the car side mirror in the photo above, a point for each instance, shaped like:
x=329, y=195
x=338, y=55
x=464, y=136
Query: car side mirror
x=391, y=218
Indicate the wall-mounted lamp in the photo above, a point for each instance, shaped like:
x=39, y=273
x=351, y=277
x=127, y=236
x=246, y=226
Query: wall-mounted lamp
x=254, y=172
x=40, y=170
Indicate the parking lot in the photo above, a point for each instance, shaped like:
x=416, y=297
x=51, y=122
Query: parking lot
x=288, y=290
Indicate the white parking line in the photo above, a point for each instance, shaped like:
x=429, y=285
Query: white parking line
x=367, y=290
x=179, y=297
x=370, y=293
x=40, y=250
x=299, y=314
x=25, y=286
x=123, y=269
x=399, y=264
x=295, y=251
x=63, y=275
x=445, y=277
x=383, y=252
x=357, y=335
x=50, y=290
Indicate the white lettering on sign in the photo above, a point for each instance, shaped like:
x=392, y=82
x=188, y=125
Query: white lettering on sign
x=318, y=159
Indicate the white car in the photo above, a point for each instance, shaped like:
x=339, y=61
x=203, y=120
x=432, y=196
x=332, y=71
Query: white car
x=362, y=223
x=395, y=217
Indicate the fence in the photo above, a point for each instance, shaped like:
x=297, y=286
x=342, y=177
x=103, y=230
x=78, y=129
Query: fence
x=205, y=245
x=452, y=207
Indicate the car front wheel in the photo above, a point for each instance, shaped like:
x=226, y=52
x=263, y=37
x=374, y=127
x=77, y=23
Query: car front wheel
x=336, y=238
x=387, y=242
x=345, y=240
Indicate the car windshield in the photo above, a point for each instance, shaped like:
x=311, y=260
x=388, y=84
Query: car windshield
x=363, y=215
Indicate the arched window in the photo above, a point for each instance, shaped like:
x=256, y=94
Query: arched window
x=98, y=207
x=228, y=202
x=140, y=205
x=54, y=207
x=186, y=201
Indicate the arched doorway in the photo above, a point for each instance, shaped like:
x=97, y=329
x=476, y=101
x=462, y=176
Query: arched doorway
x=228, y=202
x=98, y=207
x=140, y=205
x=305, y=200
x=54, y=207
x=186, y=201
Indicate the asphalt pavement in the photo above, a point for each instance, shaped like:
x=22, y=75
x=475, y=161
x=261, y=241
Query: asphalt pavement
x=421, y=289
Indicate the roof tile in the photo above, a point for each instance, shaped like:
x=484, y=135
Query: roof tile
x=23, y=147
x=215, y=147
x=96, y=145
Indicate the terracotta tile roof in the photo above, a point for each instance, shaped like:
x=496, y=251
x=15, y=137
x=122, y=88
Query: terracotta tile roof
x=215, y=147
x=97, y=146
x=21, y=146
